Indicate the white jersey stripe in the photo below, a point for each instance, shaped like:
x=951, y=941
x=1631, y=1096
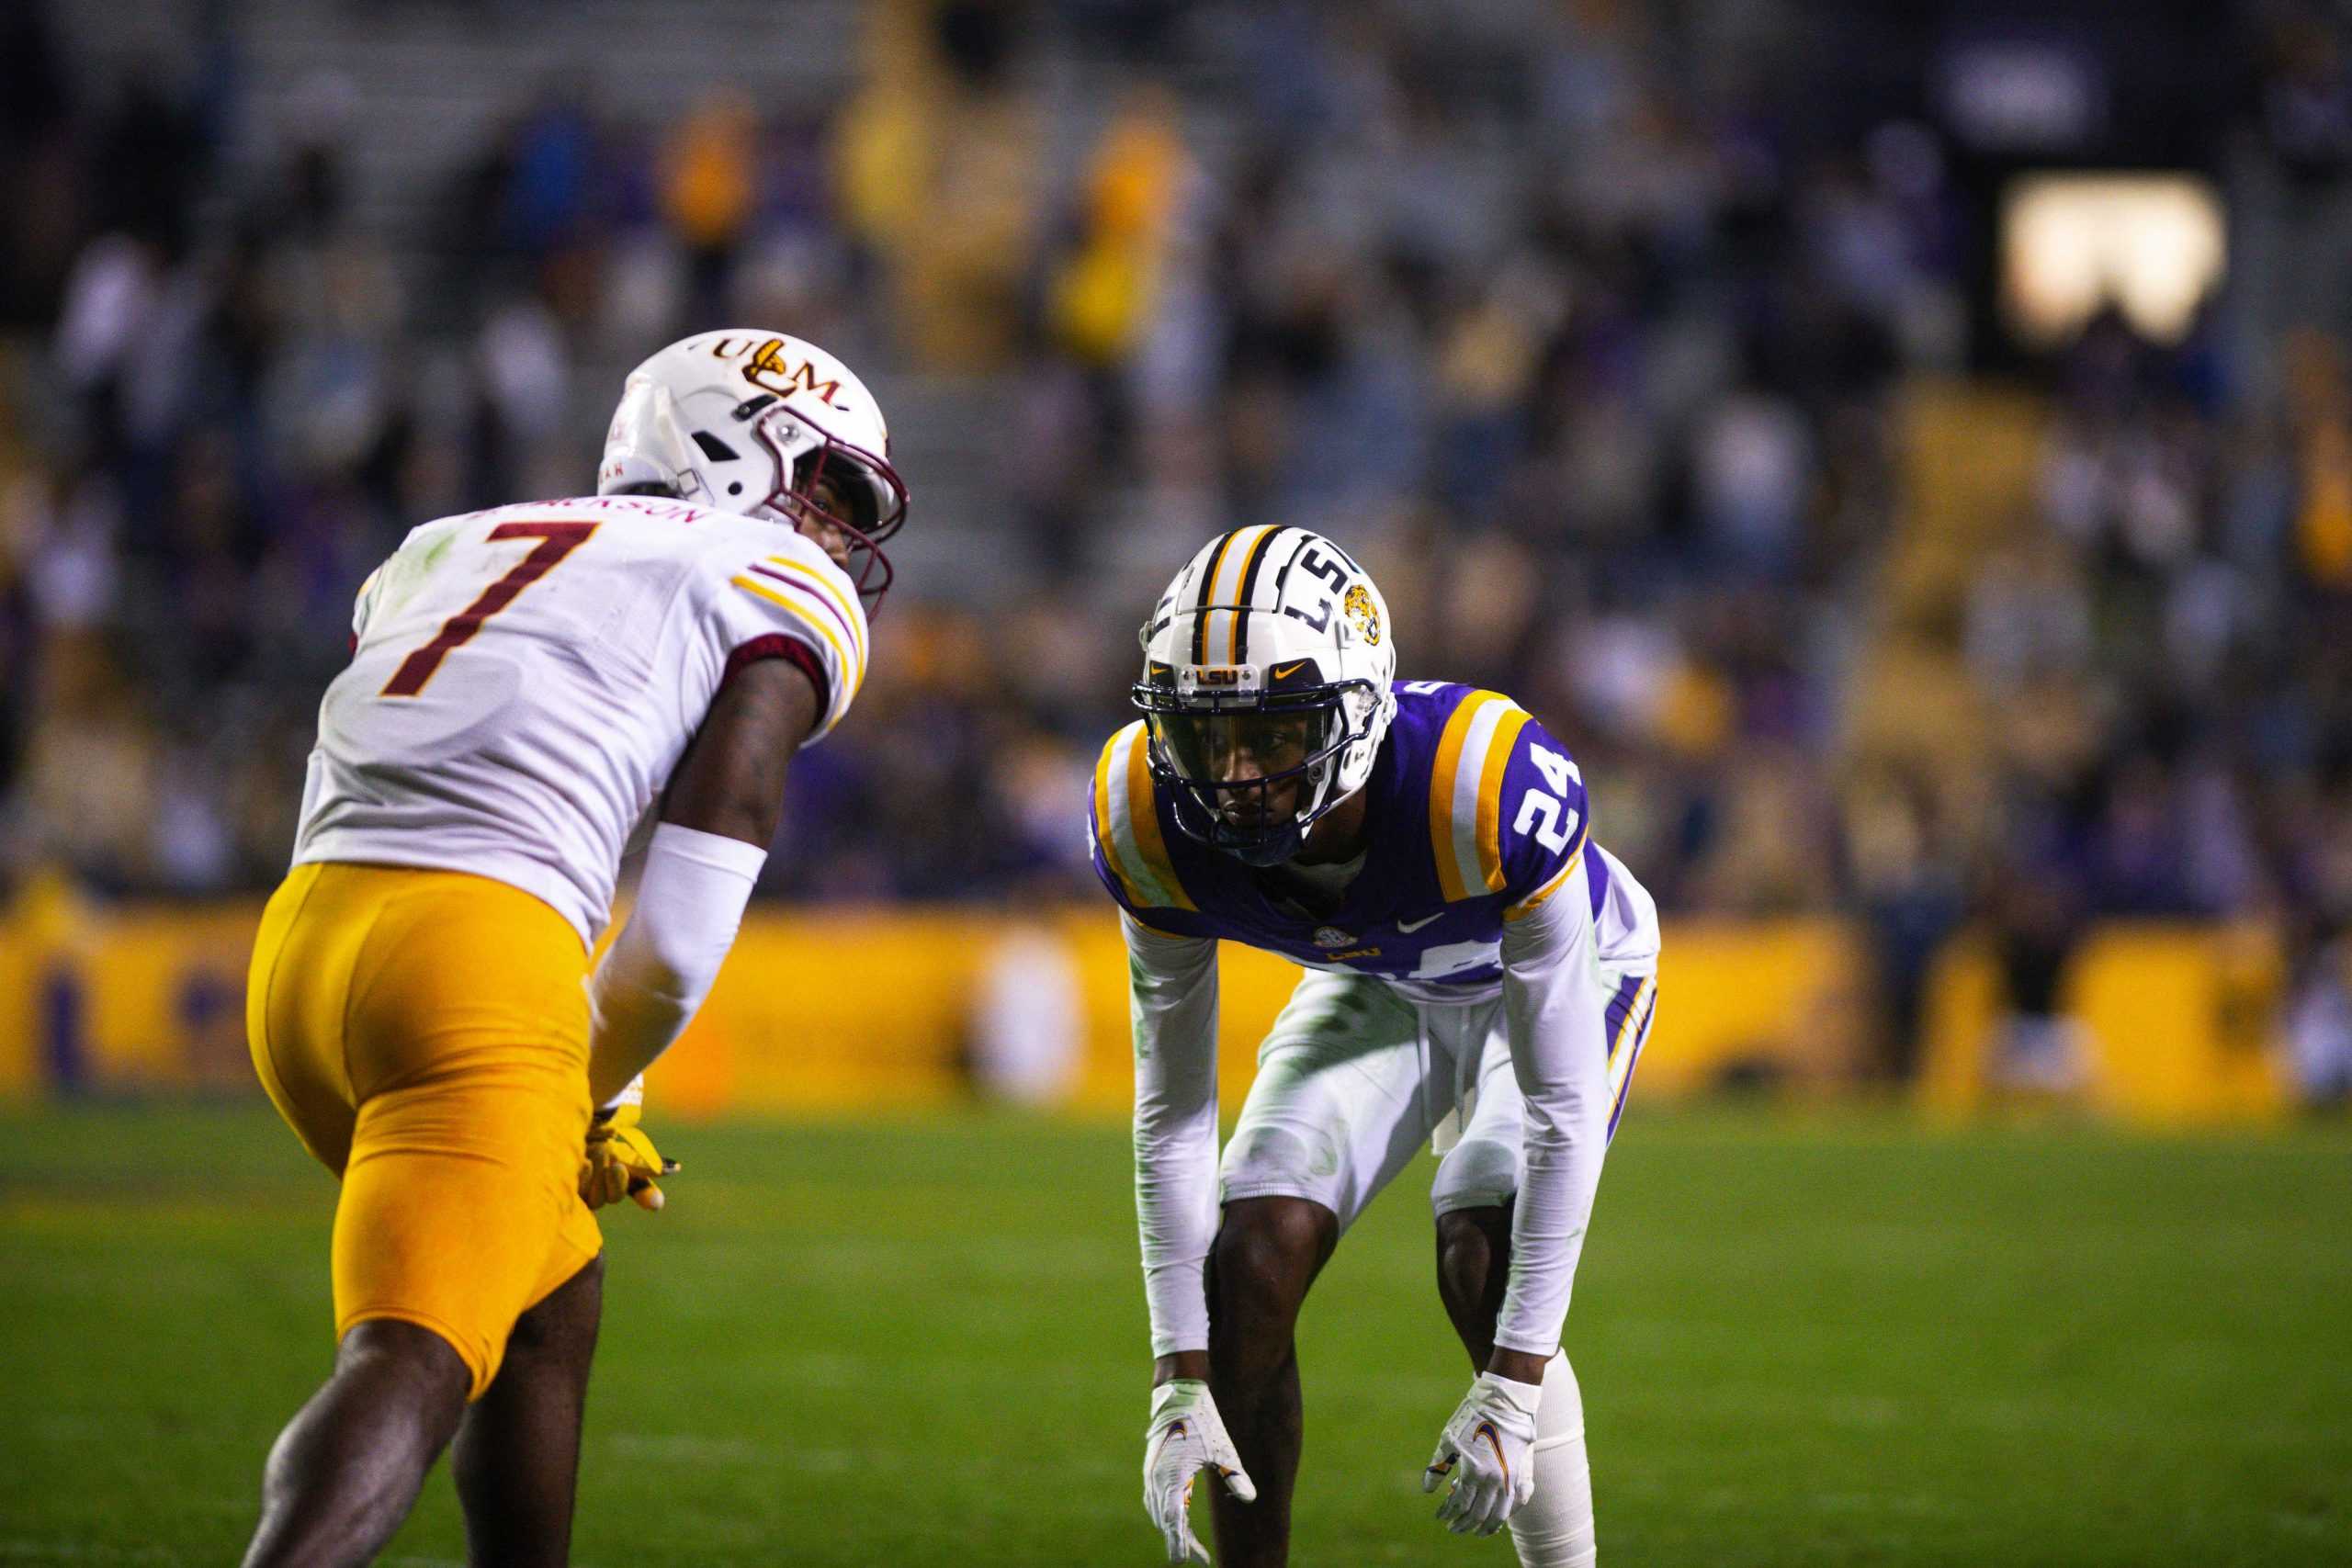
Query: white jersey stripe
x=1132, y=863
x=1467, y=775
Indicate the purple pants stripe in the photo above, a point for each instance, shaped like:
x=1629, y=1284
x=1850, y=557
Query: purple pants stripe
x=1627, y=995
x=1613, y=1020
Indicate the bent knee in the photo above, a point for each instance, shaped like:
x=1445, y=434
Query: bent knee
x=1472, y=1256
x=1478, y=1173
x=1268, y=1249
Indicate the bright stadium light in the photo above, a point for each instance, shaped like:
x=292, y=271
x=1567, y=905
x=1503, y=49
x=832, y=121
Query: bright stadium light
x=2152, y=243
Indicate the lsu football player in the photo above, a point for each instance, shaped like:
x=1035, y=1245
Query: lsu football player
x=533, y=691
x=1481, y=975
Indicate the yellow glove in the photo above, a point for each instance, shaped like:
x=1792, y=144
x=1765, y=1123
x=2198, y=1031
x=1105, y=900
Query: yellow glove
x=621, y=1158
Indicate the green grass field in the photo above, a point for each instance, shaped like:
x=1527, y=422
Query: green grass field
x=1816, y=1342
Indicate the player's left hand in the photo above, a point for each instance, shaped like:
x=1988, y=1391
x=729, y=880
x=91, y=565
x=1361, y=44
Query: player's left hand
x=1491, y=1441
x=621, y=1160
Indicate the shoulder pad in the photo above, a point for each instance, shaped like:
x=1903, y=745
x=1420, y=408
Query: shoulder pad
x=1466, y=794
x=1126, y=825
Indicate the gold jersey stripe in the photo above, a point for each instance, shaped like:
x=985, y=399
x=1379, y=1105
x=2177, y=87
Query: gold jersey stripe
x=1490, y=797
x=1126, y=825
x=1543, y=894
x=1102, y=834
x=851, y=618
x=856, y=669
x=1443, y=779
x=1143, y=816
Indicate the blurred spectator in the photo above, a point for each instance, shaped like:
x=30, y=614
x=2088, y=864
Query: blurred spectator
x=1911, y=900
x=2319, y=1027
x=1608, y=335
x=708, y=191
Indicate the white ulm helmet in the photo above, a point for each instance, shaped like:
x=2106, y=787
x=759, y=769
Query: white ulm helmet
x=1265, y=626
x=750, y=421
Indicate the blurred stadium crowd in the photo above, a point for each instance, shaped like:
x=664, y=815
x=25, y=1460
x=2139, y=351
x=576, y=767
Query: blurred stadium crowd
x=1603, y=331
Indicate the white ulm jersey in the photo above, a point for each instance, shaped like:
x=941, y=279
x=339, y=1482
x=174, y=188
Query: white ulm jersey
x=524, y=680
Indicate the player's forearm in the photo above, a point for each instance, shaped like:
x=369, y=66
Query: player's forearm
x=1176, y=1223
x=1555, y=1004
x=654, y=977
x=1172, y=1002
x=1565, y=1130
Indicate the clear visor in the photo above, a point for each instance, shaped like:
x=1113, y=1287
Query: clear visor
x=1250, y=769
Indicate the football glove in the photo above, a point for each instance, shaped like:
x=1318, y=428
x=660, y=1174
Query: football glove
x=1186, y=1436
x=1491, y=1441
x=621, y=1160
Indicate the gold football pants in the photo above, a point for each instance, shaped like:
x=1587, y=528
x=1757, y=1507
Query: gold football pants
x=425, y=1034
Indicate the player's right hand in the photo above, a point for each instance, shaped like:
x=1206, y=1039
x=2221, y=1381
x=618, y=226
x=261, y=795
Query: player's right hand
x=1186, y=1436
x=621, y=1160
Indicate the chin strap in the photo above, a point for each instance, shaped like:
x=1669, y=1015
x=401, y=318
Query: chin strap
x=1272, y=852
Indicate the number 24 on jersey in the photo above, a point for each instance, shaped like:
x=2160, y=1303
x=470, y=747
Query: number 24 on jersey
x=1550, y=816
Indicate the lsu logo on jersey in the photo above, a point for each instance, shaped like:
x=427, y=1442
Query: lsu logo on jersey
x=1357, y=606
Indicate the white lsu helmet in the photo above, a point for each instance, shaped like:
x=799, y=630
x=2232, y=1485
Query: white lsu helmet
x=1275, y=632
x=750, y=421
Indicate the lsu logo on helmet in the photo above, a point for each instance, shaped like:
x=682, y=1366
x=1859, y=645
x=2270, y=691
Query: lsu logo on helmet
x=1358, y=607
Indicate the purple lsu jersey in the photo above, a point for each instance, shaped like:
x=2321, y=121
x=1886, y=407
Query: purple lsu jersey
x=1475, y=815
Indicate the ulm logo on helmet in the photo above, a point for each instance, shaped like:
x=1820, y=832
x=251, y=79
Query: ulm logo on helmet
x=768, y=370
x=1357, y=607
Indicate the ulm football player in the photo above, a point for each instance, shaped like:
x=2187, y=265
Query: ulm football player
x=533, y=689
x=1481, y=975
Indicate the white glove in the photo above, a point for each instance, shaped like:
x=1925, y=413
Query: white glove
x=1492, y=1438
x=1186, y=1436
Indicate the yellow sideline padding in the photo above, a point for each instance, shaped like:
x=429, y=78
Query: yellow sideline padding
x=2181, y=1024
x=839, y=1011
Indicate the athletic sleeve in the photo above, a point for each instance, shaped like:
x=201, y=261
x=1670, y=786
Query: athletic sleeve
x=1172, y=1005
x=790, y=602
x=653, y=978
x=1554, y=1005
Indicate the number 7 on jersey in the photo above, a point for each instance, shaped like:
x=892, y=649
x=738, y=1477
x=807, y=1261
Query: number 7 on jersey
x=557, y=540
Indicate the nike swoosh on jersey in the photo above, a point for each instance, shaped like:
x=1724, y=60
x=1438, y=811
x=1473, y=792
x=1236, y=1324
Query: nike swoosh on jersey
x=1406, y=928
